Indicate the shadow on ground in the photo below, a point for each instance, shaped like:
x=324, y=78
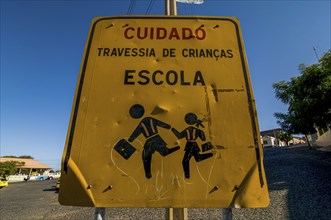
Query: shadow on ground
x=306, y=176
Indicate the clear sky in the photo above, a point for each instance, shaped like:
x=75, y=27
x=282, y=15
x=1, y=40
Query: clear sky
x=42, y=43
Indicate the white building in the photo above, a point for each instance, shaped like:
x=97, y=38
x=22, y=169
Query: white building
x=269, y=141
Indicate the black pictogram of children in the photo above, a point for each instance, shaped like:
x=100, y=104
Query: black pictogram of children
x=191, y=133
x=148, y=126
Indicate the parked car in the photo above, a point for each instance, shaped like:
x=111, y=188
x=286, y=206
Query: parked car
x=35, y=177
x=41, y=177
x=3, y=182
x=51, y=176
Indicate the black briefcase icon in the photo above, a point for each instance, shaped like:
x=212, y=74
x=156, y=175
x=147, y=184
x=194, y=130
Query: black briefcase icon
x=124, y=148
x=206, y=146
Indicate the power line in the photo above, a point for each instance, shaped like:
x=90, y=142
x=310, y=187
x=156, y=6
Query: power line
x=131, y=7
x=149, y=8
x=315, y=50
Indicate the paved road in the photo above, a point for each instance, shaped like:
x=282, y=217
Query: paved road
x=299, y=182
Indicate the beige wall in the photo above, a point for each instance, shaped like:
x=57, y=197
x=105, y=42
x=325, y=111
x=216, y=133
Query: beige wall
x=324, y=139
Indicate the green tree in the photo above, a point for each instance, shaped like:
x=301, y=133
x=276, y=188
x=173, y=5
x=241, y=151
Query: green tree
x=10, y=167
x=26, y=157
x=308, y=97
x=23, y=156
x=286, y=137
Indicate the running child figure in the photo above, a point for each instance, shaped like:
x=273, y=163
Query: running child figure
x=148, y=126
x=191, y=133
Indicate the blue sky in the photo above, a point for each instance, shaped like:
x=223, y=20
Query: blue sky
x=42, y=44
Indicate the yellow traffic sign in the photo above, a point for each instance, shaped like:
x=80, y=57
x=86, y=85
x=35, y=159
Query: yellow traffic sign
x=164, y=116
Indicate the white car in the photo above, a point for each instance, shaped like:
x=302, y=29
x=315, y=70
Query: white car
x=53, y=176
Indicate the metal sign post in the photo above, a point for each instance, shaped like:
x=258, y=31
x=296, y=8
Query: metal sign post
x=99, y=213
x=227, y=214
x=174, y=213
x=181, y=213
x=170, y=7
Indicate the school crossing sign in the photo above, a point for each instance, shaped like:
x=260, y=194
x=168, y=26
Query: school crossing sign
x=164, y=116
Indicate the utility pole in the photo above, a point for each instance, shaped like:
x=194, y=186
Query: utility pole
x=181, y=213
x=170, y=7
x=174, y=213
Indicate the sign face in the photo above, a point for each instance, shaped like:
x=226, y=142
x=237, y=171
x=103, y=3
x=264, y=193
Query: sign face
x=164, y=116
